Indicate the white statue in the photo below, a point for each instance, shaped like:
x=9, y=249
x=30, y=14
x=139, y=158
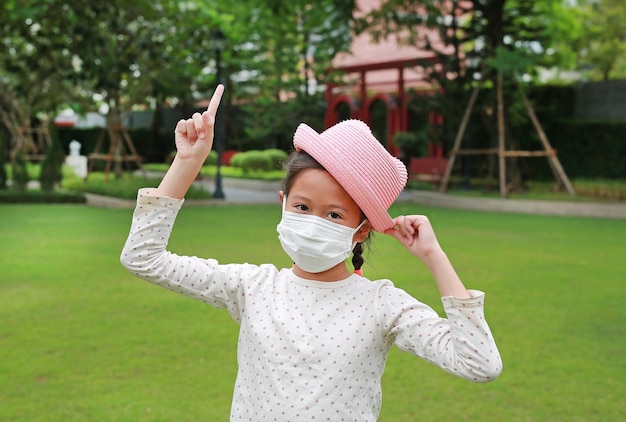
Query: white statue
x=76, y=161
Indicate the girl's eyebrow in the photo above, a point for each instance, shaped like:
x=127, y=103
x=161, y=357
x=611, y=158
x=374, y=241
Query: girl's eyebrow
x=303, y=198
x=298, y=197
x=338, y=207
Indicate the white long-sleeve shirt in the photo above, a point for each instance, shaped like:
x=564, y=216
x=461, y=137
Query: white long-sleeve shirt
x=311, y=350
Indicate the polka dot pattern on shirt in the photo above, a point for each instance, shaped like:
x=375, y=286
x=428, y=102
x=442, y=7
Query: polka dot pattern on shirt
x=311, y=350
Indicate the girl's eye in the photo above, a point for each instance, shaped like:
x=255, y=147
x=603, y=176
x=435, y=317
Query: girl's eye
x=334, y=215
x=302, y=207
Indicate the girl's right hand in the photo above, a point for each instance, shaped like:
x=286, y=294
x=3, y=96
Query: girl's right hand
x=416, y=234
x=194, y=136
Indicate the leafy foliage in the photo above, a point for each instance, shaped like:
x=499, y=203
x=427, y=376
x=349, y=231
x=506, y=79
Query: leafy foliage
x=119, y=55
x=493, y=44
x=294, y=45
x=38, y=73
x=116, y=56
x=253, y=160
x=603, y=41
x=19, y=171
x=3, y=171
x=413, y=144
x=51, y=173
x=277, y=157
x=125, y=187
x=41, y=197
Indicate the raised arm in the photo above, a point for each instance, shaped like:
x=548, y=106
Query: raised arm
x=194, y=139
x=416, y=233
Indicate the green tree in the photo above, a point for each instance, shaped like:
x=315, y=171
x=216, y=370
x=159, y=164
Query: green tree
x=19, y=170
x=474, y=42
x=37, y=70
x=179, y=67
x=584, y=35
x=113, y=40
x=118, y=55
x=602, y=45
x=111, y=53
x=51, y=167
x=293, y=47
x=3, y=171
x=565, y=23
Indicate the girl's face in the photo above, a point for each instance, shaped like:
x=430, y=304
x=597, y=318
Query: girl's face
x=317, y=193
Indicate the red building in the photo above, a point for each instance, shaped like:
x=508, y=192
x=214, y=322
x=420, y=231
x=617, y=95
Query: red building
x=378, y=81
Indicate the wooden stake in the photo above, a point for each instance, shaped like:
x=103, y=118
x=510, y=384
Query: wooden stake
x=459, y=136
x=120, y=150
x=501, y=132
x=33, y=141
x=501, y=151
x=557, y=169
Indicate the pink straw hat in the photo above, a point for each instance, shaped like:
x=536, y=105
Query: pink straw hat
x=362, y=166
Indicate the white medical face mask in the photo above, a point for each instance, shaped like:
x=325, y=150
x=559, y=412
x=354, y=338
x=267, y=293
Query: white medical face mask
x=314, y=243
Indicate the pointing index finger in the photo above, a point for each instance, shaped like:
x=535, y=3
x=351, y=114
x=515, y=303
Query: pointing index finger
x=215, y=100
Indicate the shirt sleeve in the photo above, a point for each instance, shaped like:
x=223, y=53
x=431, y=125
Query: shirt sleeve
x=146, y=256
x=461, y=344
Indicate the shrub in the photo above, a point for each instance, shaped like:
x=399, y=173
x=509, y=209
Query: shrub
x=277, y=157
x=125, y=187
x=590, y=150
x=601, y=188
x=211, y=160
x=51, y=167
x=19, y=171
x=255, y=160
x=237, y=159
x=3, y=171
x=412, y=144
x=41, y=197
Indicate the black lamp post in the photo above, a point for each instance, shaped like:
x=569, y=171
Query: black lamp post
x=219, y=43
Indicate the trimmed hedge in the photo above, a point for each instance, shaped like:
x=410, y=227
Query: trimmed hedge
x=277, y=157
x=41, y=197
x=590, y=149
x=586, y=149
x=253, y=160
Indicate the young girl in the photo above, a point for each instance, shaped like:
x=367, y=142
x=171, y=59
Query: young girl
x=314, y=338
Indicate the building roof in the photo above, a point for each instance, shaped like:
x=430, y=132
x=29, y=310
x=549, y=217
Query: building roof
x=383, y=58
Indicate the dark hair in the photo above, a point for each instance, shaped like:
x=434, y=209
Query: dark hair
x=299, y=161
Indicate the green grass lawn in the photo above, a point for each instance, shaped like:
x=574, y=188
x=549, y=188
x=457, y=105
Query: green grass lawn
x=83, y=340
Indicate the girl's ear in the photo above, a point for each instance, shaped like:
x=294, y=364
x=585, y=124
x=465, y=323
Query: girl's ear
x=365, y=229
x=281, y=196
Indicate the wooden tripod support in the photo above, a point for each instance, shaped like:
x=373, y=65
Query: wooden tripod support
x=121, y=150
x=33, y=142
x=501, y=151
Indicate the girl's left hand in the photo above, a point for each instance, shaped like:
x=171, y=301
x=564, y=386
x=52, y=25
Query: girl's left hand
x=416, y=234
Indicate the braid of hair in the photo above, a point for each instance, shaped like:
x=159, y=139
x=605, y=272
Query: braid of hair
x=357, y=256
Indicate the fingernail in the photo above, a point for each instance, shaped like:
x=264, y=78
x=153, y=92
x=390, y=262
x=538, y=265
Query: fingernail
x=201, y=135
